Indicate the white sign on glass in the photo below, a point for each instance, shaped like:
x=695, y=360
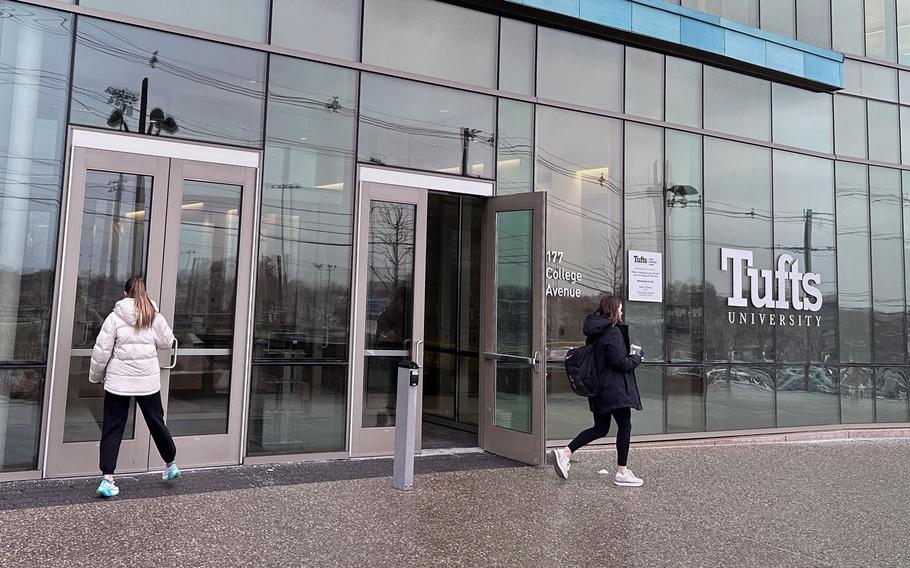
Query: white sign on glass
x=646, y=276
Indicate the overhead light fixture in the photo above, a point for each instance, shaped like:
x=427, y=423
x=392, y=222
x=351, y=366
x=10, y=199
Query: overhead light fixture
x=198, y=205
x=336, y=186
x=140, y=214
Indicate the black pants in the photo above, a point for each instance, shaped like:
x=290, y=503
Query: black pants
x=116, y=410
x=623, y=417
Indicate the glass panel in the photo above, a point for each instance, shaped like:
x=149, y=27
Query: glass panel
x=847, y=24
x=881, y=30
x=804, y=230
x=196, y=89
x=517, y=54
x=685, y=399
x=856, y=404
x=35, y=47
x=870, y=80
x=116, y=217
x=903, y=32
x=579, y=69
x=651, y=388
x=514, y=161
x=884, y=133
x=683, y=260
x=644, y=226
x=854, y=271
x=742, y=11
x=296, y=409
x=737, y=104
x=813, y=22
x=905, y=178
x=683, y=91
x=200, y=385
x=802, y=118
x=779, y=17
x=889, y=345
x=20, y=414
x=904, y=87
x=737, y=192
x=739, y=398
x=454, y=43
x=389, y=305
x=850, y=126
x=514, y=309
x=303, y=293
x=468, y=394
x=317, y=26
x=403, y=123
x=807, y=396
x=579, y=162
x=905, y=135
x=85, y=406
x=244, y=19
x=891, y=395
x=644, y=72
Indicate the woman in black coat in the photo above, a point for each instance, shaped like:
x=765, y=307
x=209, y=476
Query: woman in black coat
x=618, y=394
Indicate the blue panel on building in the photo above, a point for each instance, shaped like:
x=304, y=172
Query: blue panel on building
x=701, y=35
x=823, y=70
x=707, y=33
x=785, y=59
x=612, y=13
x=655, y=23
x=744, y=47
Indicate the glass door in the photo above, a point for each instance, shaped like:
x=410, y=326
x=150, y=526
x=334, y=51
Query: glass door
x=206, y=299
x=389, y=320
x=512, y=328
x=188, y=228
x=114, y=226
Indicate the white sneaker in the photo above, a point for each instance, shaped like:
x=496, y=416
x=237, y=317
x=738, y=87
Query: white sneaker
x=561, y=463
x=627, y=479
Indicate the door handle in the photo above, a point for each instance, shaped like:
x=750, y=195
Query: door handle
x=419, y=354
x=173, y=362
x=532, y=361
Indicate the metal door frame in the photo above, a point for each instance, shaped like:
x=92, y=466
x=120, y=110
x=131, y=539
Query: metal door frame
x=394, y=184
x=85, y=139
x=525, y=447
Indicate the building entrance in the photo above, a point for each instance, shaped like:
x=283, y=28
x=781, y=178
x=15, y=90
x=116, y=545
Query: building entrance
x=454, y=282
x=183, y=217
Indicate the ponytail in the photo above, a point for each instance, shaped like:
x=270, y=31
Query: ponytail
x=145, y=311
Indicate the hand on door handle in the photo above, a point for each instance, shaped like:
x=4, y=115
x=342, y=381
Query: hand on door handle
x=173, y=362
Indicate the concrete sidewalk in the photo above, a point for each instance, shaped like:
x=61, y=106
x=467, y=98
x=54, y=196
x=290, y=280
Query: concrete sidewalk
x=839, y=503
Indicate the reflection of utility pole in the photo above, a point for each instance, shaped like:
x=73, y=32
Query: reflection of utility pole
x=117, y=188
x=467, y=135
x=807, y=240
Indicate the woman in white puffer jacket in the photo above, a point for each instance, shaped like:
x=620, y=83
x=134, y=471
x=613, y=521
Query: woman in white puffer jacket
x=125, y=358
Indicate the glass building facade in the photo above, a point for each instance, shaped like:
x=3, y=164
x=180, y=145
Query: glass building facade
x=780, y=210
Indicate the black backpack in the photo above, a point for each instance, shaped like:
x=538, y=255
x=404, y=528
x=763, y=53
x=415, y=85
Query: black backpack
x=582, y=371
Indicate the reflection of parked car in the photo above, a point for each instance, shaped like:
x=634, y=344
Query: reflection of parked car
x=793, y=379
x=891, y=384
x=741, y=376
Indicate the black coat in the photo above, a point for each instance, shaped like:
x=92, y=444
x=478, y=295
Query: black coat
x=615, y=366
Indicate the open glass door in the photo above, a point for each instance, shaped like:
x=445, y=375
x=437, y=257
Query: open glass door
x=389, y=321
x=512, y=328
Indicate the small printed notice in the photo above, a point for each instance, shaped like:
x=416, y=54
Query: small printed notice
x=646, y=276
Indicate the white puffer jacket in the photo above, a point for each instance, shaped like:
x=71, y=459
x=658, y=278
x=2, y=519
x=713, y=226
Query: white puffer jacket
x=130, y=356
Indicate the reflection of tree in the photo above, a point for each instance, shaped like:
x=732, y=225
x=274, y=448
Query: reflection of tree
x=391, y=244
x=612, y=265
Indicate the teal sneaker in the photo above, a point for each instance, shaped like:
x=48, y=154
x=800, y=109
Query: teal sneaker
x=107, y=488
x=170, y=472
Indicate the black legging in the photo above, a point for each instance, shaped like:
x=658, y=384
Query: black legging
x=623, y=417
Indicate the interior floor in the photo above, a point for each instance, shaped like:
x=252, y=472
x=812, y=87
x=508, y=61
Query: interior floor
x=437, y=436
